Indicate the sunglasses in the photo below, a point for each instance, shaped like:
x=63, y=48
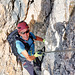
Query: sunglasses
x=25, y=32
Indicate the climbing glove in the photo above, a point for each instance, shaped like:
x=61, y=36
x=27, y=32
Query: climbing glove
x=44, y=40
x=38, y=53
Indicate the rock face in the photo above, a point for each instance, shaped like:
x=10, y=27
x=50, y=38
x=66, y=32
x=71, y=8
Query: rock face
x=53, y=20
x=60, y=36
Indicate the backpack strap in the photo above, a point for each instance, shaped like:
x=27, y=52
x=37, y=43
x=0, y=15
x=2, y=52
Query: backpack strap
x=30, y=36
x=27, y=47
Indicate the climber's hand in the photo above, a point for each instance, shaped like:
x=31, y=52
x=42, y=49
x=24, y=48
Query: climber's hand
x=44, y=40
x=38, y=53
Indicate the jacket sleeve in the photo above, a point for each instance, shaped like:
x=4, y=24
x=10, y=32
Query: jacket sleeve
x=20, y=46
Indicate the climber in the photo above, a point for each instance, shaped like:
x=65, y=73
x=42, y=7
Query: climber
x=25, y=34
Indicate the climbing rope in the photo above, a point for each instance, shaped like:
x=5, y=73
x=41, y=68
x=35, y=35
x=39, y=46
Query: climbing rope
x=66, y=50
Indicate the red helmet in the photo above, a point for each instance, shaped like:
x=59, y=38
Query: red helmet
x=22, y=25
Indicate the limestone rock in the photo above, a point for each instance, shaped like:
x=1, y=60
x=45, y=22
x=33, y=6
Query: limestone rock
x=53, y=20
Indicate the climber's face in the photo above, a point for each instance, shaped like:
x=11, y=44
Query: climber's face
x=25, y=33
